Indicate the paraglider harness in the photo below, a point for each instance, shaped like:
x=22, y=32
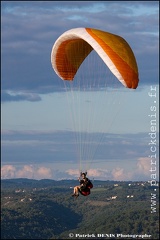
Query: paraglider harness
x=86, y=185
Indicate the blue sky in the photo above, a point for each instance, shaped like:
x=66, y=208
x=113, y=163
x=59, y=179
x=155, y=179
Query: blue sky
x=39, y=130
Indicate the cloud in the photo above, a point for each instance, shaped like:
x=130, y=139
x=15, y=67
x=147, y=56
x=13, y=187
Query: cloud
x=87, y=8
x=102, y=174
x=32, y=172
x=8, y=171
x=91, y=173
x=119, y=174
x=43, y=172
x=13, y=96
x=73, y=172
x=141, y=172
x=60, y=146
x=144, y=165
x=29, y=30
x=27, y=171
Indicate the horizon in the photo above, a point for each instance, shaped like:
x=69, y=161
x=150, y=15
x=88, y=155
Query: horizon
x=45, y=179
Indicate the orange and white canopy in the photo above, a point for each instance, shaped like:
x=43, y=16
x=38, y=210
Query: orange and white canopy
x=73, y=46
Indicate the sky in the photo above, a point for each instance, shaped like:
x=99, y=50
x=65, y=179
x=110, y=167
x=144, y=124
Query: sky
x=50, y=132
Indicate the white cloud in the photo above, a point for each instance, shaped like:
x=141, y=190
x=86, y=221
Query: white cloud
x=140, y=170
x=91, y=8
x=27, y=171
x=143, y=165
x=91, y=173
x=117, y=174
x=43, y=172
x=99, y=173
x=120, y=174
x=73, y=172
x=8, y=171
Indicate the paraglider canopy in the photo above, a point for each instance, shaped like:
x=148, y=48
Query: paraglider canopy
x=92, y=90
x=112, y=49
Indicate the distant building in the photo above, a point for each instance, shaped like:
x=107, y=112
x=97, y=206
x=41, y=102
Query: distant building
x=130, y=196
x=113, y=197
x=18, y=190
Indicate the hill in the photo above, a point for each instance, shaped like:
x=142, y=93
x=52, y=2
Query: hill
x=45, y=209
